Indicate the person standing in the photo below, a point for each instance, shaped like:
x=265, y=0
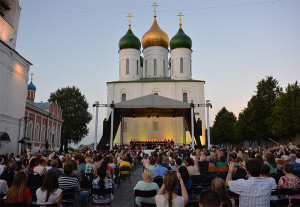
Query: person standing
x=256, y=191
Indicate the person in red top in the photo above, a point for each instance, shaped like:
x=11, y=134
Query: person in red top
x=18, y=193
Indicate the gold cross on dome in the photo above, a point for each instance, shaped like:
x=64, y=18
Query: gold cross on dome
x=129, y=20
x=155, y=5
x=31, y=74
x=180, y=15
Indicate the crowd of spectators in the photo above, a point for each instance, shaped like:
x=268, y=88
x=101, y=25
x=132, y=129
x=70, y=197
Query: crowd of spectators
x=177, y=176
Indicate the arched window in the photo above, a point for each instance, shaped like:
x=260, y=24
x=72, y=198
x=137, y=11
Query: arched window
x=185, y=97
x=137, y=67
x=57, y=136
x=123, y=97
x=43, y=133
x=181, y=65
x=146, y=69
x=172, y=67
x=37, y=132
x=29, y=130
x=127, y=66
x=164, y=67
x=155, y=67
x=190, y=66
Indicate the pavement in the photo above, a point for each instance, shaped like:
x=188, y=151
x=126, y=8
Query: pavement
x=124, y=195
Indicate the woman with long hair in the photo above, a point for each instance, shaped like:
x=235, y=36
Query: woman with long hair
x=271, y=162
x=167, y=196
x=219, y=185
x=18, y=192
x=49, y=193
x=101, y=184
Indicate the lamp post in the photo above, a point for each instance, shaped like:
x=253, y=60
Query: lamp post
x=96, y=104
x=208, y=105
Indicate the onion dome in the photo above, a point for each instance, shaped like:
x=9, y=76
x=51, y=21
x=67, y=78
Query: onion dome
x=31, y=87
x=180, y=40
x=155, y=36
x=129, y=40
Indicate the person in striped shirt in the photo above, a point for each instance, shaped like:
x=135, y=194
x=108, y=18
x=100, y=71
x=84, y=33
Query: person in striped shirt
x=69, y=182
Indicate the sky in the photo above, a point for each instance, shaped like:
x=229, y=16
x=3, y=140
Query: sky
x=236, y=43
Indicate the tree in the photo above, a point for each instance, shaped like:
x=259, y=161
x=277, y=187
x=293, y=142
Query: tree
x=75, y=115
x=223, y=128
x=285, y=119
x=252, y=125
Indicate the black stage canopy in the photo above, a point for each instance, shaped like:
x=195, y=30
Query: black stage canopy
x=150, y=105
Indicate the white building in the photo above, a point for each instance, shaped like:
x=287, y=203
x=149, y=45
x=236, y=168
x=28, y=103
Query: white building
x=14, y=70
x=156, y=73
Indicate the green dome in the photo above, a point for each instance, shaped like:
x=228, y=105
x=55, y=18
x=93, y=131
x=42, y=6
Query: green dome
x=129, y=40
x=180, y=40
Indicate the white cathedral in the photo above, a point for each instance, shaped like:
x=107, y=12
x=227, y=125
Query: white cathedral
x=156, y=73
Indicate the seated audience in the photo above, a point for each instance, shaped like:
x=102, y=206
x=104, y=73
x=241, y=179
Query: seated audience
x=289, y=180
x=191, y=166
x=18, y=192
x=265, y=173
x=271, y=162
x=159, y=170
x=165, y=163
x=3, y=187
x=151, y=163
x=167, y=194
x=203, y=164
x=68, y=181
x=188, y=183
x=41, y=168
x=49, y=193
x=102, y=183
x=146, y=185
x=209, y=198
x=296, y=166
x=219, y=185
x=88, y=166
x=178, y=163
x=76, y=172
x=124, y=163
x=54, y=168
x=255, y=191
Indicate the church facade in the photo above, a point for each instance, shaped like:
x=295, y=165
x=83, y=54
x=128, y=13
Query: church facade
x=14, y=70
x=165, y=70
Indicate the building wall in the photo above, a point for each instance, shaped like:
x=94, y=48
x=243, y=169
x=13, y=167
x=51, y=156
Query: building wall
x=142, y=128
x=41, y=126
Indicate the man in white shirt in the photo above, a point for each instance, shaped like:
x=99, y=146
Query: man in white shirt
x=256, y=191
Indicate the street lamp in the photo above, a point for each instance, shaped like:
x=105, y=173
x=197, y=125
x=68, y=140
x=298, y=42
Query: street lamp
x=96, y=104
x=208, y=105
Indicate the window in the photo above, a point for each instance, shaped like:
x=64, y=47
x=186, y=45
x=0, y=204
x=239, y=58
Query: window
x=137, y=67
x=190, y=66
x=29, y=130
x=181, y=65
x=155, y=68
x=155, y=126
x=184, y=97
x=146, y=69
x=43, y=133
x=172, y=67
x=127, y=66
x=123, y=97
x=164, y=67
x=37, y=132
x=142, y=72
x=57, y=137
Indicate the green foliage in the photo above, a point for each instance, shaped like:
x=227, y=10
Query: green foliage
x=223, y=128
x=252, y=124
x=75, y=114
x=285, y=119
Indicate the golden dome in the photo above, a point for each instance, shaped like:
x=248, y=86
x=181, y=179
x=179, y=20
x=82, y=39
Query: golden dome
x=155, y=37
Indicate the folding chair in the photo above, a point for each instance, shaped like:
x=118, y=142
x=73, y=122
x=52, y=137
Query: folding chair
x=280, y=202
x=144, y=194
x=125, y=174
